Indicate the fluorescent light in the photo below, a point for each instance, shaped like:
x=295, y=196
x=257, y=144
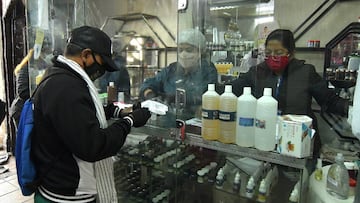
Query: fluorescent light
x=263, y=9
x=222, y=8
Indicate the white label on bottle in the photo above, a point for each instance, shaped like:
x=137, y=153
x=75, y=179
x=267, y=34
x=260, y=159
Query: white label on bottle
x=227, y=116
x=210, y=114
x=260, y=123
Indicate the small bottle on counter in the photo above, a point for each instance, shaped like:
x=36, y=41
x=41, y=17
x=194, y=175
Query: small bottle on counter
x=112, y=93
x=318, y=171
x=220, y=178
x=262, y=191
x=250, y=188
x=294, y=196
x=337, y=183
x=237, y=183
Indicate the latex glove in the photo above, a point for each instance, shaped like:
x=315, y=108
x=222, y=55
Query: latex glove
x=139, y=117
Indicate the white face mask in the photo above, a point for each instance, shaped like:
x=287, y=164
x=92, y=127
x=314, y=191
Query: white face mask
x=189, y=59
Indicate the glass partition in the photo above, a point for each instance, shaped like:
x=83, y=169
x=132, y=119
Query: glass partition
x=49, y=23
x=234, y=34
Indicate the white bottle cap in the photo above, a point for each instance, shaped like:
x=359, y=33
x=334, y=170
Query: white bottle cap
x=247, y=90
x=319, y=163
x=262, y=187
x=237, y=177
x=294, y=196
x=213, y=164
x=228, y=88
x=250, y=183
x=339, y=157
x=267, y=91
x=211, y=87
x=220, y=174
x=111, y=84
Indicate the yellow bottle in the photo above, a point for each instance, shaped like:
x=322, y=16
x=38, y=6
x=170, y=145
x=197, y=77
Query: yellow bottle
x=210, y=114
x=318, y=171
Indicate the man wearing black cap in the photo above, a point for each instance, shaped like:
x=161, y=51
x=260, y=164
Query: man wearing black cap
x=72, y=142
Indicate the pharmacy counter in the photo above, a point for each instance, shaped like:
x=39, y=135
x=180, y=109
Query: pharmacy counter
x=317, y=191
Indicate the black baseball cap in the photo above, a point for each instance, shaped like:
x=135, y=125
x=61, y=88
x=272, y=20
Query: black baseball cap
x=96, y=40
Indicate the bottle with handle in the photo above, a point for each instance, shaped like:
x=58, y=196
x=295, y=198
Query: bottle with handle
x=266, y=121
x=227, y=116
x=246, y=110
x=210, y=129
x=337, y=180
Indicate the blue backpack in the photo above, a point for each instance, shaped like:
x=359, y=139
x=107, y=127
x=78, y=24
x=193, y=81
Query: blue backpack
x=26, y=171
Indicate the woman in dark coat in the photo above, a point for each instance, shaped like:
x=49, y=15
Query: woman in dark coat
x=294, y=83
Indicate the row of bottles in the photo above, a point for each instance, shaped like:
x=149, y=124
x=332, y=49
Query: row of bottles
x=337, y=179
x=246, y=121
x=142, y=179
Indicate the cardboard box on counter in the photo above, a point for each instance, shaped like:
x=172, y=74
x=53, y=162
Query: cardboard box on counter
x=295, y=135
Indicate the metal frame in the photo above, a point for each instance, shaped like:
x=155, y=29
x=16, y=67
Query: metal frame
x=144, y=17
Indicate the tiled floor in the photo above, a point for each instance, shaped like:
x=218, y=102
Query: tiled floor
x=9, y=188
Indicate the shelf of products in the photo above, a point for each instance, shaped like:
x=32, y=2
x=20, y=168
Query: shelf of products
x=197, y=140
x=272, y=157
x=167, y=170
x=308, y=49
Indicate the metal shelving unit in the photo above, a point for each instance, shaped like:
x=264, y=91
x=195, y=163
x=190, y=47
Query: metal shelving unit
x=197, y=140
x=146, y=18
x=272, y=157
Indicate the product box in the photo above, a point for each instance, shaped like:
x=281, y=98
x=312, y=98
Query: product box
x=295, y=135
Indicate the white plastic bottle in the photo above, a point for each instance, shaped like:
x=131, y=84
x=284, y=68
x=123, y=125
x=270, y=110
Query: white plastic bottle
x=250, y=187
x=337, y=182
x=220, y=178
x=210, y=129
x=294, y=196
x=246, y=110
x=265, y=123
x=262, y=191
x=237, y=183
x=227, y=116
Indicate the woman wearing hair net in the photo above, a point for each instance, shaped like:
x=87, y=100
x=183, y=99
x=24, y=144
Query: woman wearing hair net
x=294, y=83
x=191, y=73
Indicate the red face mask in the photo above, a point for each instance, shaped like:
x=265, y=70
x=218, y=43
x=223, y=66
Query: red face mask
x=277, y=63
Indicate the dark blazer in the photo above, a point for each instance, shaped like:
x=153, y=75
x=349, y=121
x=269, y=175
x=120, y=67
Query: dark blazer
x=294, y=90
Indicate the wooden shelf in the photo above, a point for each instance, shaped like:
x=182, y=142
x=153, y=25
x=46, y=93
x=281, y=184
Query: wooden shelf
x=310, y=49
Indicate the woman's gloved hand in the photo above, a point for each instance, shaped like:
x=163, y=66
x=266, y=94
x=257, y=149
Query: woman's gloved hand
x=139, y=117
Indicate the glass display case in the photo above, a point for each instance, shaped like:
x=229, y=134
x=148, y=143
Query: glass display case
x=174, y=163
x=168, y=160
x=141, y=52
x=342, y=57
x=342, y=61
